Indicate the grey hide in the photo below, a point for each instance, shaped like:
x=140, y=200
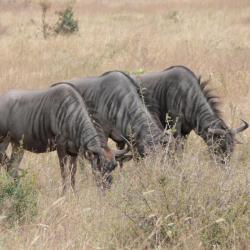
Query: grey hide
x=47, y=120
x=113, y=99
x=178, y=99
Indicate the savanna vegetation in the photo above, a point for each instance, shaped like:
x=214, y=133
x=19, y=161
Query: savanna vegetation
x=187, y=202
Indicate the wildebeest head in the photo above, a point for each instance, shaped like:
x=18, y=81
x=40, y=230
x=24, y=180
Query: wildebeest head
x=104, y=161
x=221, y=141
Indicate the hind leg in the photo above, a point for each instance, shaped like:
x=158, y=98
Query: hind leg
x=3, y=147
x=63, y=158
x=15, y=160
x=180, y=136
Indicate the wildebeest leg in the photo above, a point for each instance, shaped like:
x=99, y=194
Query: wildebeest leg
x=120, y=143
x=179, y=138
x=15, y=159
x=72, y=168
x=62, y=155
x=3, y=147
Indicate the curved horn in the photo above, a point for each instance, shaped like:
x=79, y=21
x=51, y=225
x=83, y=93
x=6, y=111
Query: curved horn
x=241, y=128
x=121, y=151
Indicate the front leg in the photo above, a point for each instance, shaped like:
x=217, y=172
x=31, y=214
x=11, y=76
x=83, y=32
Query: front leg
x=4, y=159
x=62, y=155
x=180, y=135
x=15, y=160
x=120, y=144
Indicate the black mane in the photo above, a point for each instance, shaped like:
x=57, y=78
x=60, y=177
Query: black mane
x=212, y=99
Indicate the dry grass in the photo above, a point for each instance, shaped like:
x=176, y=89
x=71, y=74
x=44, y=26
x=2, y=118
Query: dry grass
x=187, y=204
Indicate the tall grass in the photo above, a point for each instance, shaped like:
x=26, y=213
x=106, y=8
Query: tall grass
x=179, y=204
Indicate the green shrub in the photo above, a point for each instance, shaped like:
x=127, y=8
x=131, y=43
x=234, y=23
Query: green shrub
x=18, y=200
x=66, y=23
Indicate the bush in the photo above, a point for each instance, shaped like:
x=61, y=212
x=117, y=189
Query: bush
x=66, y=23
x=18, y=200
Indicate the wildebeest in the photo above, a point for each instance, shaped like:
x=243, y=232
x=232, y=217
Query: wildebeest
x=179, y=95
x=114, y=101
x=47, y=120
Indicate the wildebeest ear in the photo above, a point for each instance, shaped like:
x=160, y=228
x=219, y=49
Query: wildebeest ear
x=124, y=158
